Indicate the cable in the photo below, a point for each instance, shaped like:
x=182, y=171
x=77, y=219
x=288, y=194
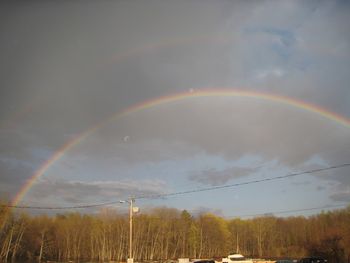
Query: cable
x=291, y=211
x=243, y=183
x=156, y=196
x=59, y=207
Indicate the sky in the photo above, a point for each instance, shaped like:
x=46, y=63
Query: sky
x=68, y=68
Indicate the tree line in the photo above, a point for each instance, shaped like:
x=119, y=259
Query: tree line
x=167, y=233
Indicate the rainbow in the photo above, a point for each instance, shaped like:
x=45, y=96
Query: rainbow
x=192, y=94
x=28, y=108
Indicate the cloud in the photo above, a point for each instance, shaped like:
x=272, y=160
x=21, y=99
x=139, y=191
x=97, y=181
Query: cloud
x=80, y=192
x=262, y=74
x=320, y=188
x=340, y=175
x=214, y=177
x=269, y=73
x=343, y=195
x=230, y=127
x=72, y=77
x=331, y=43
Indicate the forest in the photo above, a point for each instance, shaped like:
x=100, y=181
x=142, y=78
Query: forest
x=167, y=233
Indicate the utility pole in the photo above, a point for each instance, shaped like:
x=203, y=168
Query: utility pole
x=132, y=210
x=130, y=259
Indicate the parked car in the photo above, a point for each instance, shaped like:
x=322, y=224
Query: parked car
x=204, y=261
x=236, y=258
x=313, y=260
x=284, y=261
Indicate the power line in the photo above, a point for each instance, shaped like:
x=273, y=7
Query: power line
x=59, y=207
x=291, y=211
x=243, y=183
x=156, y=196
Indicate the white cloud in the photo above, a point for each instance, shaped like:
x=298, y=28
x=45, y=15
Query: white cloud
x=263, y=74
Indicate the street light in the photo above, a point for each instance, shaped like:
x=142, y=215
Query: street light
x=132, y=210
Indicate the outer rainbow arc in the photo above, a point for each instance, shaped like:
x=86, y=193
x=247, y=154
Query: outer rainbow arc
x=168, y=43
x=171, y=98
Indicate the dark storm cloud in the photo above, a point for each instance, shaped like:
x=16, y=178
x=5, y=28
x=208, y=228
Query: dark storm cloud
x=18, y=160
x=65, y=66
x=62, y=62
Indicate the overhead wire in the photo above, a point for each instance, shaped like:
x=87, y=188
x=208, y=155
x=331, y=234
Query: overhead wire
x=59, y=207
x=290, y=211
x=158, y=196
x=242, y=183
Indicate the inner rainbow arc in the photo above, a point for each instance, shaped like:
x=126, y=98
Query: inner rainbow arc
x=217, y=92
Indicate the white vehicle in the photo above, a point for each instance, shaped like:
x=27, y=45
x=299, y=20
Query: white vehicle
x=236, y=258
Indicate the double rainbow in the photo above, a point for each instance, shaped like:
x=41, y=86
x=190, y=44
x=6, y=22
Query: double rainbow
x=171, y=98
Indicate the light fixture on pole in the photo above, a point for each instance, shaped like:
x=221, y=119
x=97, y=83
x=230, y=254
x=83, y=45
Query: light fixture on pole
x=132, y=210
